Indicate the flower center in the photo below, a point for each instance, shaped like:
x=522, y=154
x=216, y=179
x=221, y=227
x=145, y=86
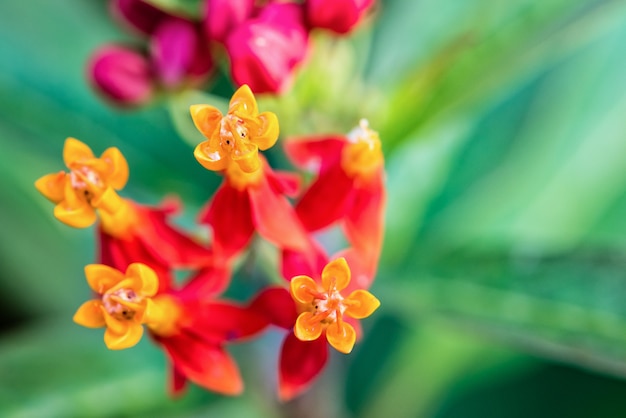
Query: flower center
x=121, y=304
x=86, y=181
x=232, y=132
x=363, y=155
x=329, y=307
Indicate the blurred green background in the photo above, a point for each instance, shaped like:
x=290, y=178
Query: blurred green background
x=503, y=278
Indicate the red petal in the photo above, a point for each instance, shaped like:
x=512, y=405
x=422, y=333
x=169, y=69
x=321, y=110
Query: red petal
x=300, y=363
x=205, y=364
x=207, y=283
x=275, y=219
x=229, y=214
x=276, y=304
x=326, y=200
x=284, y=182
x=168, y=244
x=121, y=252
x=362, y=268
x=364, y=221
x=309, y=264
x=312, y=153
x=178, y=382
x=219, y=322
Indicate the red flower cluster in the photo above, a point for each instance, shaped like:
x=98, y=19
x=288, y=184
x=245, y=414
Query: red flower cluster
x=263, y=41
x=322, y=298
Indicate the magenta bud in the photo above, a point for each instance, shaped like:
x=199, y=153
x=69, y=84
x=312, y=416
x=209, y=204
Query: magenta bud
x=339, y=16
x=122, y=75
x=172, y=47
x=222, y=16
x=265, y=51
x=138, y=15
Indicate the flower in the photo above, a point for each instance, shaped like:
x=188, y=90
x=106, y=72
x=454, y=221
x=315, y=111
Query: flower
x=128, y=232
x=125, y=302
x=251, y=195
x=314, y=311
x=349, y=188
x=191, y=329
x=88, y=187
x=339, y=16
x=235, y=137
x=264, y=51
x=195, y=342
x=322, y=308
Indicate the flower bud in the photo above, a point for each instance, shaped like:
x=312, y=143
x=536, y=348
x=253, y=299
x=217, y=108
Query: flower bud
x=222, y=16
x=339, y=16
x=122, y=75
x=264, y=51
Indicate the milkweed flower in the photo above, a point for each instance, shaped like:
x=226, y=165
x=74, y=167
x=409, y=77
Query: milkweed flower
x=348, y=189
x=339, y=16
x=128, y=232
x=265, y=50
x=318, y=311
x=251, y=197
x=191, y=330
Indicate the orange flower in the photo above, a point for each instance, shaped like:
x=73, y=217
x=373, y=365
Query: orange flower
x=235, y=137
x=251, y=197
x=89, y=185
x=322, y=308
x=125, y=302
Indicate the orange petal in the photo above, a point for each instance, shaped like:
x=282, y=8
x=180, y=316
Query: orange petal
x=109, y=201
x=246, y=156
x=243, y=101
x=102, y=278
x=146, y=282
x=336, y=274
x=303, y=288
x=78, y=217
x=361, y=304
x=90, y=314
x=341, y=336
x=52, y=186
x=306, y=328
x=126, y=339
x=210, y=157
x=75, y=150
x=206, y=118
x=118, y=168
x=267, y=135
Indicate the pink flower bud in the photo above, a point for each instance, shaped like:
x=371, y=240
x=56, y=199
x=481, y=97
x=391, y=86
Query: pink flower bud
x=172, y=46
x=339, y=16
x=122, y=75
x=222, y=16
x=138, y=15
x=265, y=50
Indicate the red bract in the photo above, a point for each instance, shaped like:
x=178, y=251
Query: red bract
x=349, y=188
x=339, y=16
x=264, y=51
